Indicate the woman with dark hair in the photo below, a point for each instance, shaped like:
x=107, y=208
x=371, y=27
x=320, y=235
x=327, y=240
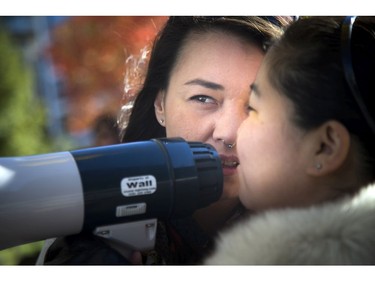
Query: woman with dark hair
x=196, y=87
x=307, y=150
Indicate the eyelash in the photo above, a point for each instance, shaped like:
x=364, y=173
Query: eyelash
x=202, y=98
x=249, y=108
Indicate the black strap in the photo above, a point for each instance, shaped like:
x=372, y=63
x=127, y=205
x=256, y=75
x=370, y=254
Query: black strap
x=346, y=55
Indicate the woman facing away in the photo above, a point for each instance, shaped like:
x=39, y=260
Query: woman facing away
x=306, y=150
x=196, y=87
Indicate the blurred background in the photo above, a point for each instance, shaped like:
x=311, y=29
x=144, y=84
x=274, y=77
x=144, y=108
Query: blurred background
x=63, y=81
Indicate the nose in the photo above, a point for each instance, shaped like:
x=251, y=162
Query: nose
x=227, y=124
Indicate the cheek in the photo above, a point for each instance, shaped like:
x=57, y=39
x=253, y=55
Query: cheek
x=249, y=139
x=258, y=152
x=183, y=119
x=174, y=114
x=175, y=128
x=182, y=123
x=267, y=175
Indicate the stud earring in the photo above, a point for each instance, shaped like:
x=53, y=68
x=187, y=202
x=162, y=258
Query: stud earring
x=318, y=166
x=161, y=121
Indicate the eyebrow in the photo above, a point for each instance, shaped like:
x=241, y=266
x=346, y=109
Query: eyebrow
x=255, y=89
x=205, y=83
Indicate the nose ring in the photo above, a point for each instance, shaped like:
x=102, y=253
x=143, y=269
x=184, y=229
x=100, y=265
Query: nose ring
x=228, y=145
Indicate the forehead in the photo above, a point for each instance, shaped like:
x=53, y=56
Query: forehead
x=267, y=95
x=213, y=39
x=262, y=88
x=213, y=49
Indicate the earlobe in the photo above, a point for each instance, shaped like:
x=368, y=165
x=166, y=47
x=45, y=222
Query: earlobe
x=159, y=108
x=332, y=144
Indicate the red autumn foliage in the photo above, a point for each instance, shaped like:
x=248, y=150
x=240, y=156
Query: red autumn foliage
x=89, y=54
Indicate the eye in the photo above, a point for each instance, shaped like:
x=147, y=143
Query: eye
x=203, y=99
x=249, y=108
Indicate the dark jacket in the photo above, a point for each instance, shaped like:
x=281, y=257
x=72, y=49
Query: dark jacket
x=178, y=242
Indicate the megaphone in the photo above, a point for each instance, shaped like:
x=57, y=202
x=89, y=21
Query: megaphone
x=117, y=191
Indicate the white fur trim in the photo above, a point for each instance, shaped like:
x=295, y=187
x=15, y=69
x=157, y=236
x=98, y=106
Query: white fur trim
x=338, y=233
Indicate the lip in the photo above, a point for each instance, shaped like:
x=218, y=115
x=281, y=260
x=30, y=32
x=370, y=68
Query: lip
x=229, y=164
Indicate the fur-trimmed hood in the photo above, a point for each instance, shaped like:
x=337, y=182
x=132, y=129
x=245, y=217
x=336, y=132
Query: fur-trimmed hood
x=336, y=233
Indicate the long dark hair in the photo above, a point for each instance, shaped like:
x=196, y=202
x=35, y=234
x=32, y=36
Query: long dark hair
x=142, y=124
x=309, y=66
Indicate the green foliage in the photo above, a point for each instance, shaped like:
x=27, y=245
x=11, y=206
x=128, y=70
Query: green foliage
x=25, y=254
x=22, y=123
x=22, y=114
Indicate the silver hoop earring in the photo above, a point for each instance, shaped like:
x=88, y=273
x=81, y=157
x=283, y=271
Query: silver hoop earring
x=228, y=145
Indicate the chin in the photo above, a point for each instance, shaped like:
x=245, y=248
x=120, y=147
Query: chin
x=230, y=191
